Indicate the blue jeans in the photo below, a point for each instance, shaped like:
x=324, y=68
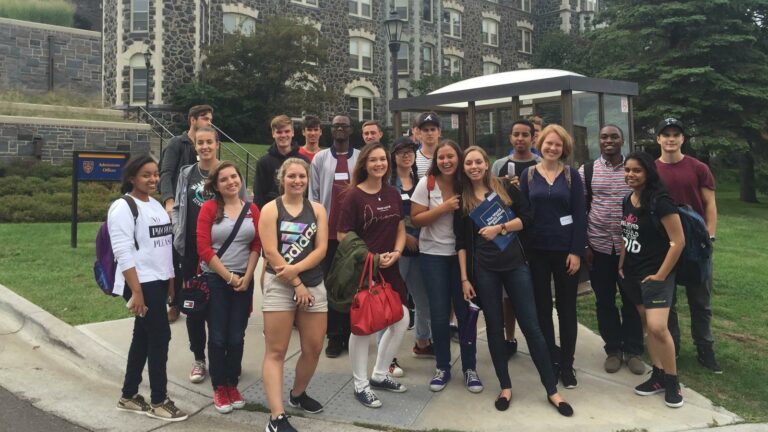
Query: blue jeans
x=621, y=332
x=443, y=282
x=519, y=288
x=410, y=269
x=228, y=317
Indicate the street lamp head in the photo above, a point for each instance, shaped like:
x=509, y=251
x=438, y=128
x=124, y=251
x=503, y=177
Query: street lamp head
x=394, y=26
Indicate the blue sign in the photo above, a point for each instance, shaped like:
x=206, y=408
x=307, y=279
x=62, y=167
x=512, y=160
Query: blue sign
x=100, y=166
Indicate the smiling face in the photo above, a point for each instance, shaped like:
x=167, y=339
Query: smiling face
x=312, y=135
x=405, y=158
x=228, y=182
x=372, y=133
x=376, y=164
x=634, y=174
x=283, y=136
x=206, y=145
x=447, y=160
x=671, y=139
x=610, y=141
x=341, y=129
x=521, y=138
x=552, y=147
x=295, y=179
x=475, y=166
x=145, y=181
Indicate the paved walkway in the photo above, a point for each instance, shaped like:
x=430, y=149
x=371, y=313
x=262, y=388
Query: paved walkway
x=81, y=384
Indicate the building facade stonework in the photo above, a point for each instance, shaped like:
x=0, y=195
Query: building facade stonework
x=466, y=38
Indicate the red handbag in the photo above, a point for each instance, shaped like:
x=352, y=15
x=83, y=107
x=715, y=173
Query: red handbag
x=376, y=307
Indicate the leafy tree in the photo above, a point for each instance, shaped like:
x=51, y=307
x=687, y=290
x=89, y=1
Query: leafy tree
x=699, y=60
x=557, y=50
x=250, y=78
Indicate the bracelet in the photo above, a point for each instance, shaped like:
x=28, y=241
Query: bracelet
x=231, y=276
x=464, y=280
x=298, y=284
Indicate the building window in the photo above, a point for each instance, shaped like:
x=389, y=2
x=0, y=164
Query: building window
x=360, y=54
x=403, y=59
x=239, y=23
x=361, y=8
x=452, y=23
x=139, y=15
x=427, y=60
x=452, y=65
x=306, y=2
x=138, y=79
x=524, y=5
x=406, y=117
x=401, y=6
x=426, y=10
x=361, y=104
x=490, y=32
x=490, y=68
x=524, y=40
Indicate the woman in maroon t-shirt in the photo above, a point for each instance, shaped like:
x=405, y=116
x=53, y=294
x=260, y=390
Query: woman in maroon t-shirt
x=372, y=209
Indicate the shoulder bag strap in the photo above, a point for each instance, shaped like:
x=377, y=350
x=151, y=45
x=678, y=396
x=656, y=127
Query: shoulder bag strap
x=231, y=238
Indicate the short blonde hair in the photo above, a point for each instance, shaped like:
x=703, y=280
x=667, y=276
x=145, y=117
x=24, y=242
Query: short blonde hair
x=281, y=121
x=560, y=132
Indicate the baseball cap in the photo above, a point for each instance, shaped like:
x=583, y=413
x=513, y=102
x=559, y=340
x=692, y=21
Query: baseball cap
x=403, y=142
x=667, y=122
x=426, y=118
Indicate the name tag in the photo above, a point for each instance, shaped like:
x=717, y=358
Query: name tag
x=436, y=194
x=491, y=196
x=405, y=197
x=341, y=176
x=566, y=220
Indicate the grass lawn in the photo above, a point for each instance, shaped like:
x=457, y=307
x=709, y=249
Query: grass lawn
x=739, y=308
x=235, y=154
x=37, y=262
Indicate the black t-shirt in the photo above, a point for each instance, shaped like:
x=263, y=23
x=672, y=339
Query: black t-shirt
x=519, y=166
x=645, y=240
x=195, y=199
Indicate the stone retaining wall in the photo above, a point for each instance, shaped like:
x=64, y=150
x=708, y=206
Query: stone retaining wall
x=25, y=48
x=54, y=140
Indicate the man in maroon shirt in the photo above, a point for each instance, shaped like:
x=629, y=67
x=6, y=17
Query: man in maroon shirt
x=690, y=182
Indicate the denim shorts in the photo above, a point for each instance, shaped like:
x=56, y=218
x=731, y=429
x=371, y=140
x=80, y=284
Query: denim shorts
x=651, y=294
x=278, y=296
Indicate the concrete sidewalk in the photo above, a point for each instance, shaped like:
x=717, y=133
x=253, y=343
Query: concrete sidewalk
x=86, y=364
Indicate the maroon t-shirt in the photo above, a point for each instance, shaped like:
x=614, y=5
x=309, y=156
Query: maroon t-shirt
x=685, y=179
x=375, y=218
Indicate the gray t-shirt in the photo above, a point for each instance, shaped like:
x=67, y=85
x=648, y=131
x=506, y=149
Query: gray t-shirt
x=235, y=258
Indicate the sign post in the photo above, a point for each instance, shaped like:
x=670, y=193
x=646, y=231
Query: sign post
x=93, y=166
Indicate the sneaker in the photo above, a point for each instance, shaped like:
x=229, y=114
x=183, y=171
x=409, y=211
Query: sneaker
x=568, y=376
x=173, y=314
x=221, y=400
x=472, y=381
x=388, y=384
x=440, y=380
x=136, y=404
x=304, y=402
x=166, y=411
x=425, y=352
x=511, y=347
x=635, y=363
x=235, y=398
x=280, y=424
x=335, y=348
x=368, y=398
x=654, y=384
x=612, y=363
x=707, y=359
x=198, y=372
x=395, y=370
x=673, y=396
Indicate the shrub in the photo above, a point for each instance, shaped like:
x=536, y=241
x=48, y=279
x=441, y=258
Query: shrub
x=57, y=12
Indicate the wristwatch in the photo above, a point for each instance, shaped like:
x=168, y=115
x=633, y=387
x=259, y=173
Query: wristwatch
x=503, y=229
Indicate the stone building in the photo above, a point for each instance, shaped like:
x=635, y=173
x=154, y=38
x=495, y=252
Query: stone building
x=460, y=37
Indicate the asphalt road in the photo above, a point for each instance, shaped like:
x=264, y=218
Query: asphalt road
x=18, y=415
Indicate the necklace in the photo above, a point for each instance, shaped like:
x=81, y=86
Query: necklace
x=546, y=172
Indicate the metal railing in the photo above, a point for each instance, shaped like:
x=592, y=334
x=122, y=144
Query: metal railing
x=243, y=158
x=155, y=125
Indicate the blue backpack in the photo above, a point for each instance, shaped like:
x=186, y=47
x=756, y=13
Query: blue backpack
x=694, y=265
x=105, y=267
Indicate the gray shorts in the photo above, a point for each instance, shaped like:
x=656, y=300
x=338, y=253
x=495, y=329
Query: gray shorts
x=278, y=296
x=651, y=294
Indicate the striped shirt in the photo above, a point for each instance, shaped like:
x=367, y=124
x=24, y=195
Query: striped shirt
x=423, y=163
x=603, y=220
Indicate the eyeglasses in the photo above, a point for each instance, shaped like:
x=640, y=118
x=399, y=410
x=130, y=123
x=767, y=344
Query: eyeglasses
x=339, y=126
x=404, y=152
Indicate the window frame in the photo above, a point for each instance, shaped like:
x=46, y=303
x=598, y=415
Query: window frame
x=360, y=67
x=359, y=100
x=242, y=18
x=487, y=63
x=454, y=60
x=134, y=12
x=521, y=38
x=136, y=63
x=405, y=50
x=428, y=6
x=431, y=49
x=309, y=3
x=523, y=5
x=400, y=5
x=359, y=8
x=487, y=35
x=452, y=24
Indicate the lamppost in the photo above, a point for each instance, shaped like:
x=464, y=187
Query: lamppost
x=147, y=64
x=394, y=27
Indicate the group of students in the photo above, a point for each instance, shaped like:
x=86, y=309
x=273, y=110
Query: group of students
x=411, y=205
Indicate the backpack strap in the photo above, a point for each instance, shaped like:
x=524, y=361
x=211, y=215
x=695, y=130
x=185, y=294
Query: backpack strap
x=135, y=212
x=589, y=170
x=531, y=169
x=567, y=174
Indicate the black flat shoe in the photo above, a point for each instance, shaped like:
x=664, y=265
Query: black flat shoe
x=563, y=408
x=502, y=403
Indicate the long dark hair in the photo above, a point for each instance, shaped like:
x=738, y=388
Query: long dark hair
x=210, y=187
x=435, y=171
x=468, y=199
x=131, y=170
x=360, y=173
x=653, y=187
